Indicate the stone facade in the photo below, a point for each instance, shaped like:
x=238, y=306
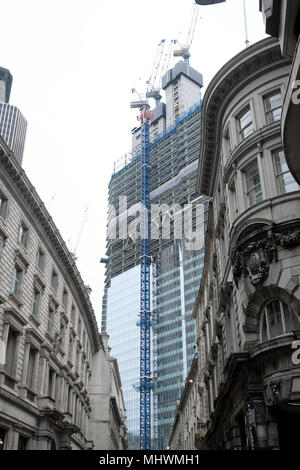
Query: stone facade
x=48, y=332
x=188, y=426
x=248, y=308
x=107, y=427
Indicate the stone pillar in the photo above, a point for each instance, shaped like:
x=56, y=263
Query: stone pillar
x=5, y=332
x=35, y=370
x=25, y=362
x=42, y=375
x=240, y=192
x=46, y=382
x=52, y=391
x=60, y=389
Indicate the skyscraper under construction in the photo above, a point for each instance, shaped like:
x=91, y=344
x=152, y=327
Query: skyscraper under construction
x=178, y=218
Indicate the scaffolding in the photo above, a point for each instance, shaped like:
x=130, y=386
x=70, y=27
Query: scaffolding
x=173, y=157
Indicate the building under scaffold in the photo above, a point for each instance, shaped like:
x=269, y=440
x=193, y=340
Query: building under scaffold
x=177, y=214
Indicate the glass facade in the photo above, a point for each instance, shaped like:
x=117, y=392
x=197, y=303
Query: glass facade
x=123, y=305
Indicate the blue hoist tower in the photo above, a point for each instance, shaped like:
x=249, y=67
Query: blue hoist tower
x=145, y=386
x=146, y=383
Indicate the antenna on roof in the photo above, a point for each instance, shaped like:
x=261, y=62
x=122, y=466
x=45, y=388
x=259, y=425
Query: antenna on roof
x=246, y=24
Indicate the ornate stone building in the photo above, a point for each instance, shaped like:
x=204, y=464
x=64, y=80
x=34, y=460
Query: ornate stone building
x=248, y=308
x=48, y=332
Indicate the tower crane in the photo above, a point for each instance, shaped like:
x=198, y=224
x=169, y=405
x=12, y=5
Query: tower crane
x=84, y=219
x=153, y=91
x=184, y=49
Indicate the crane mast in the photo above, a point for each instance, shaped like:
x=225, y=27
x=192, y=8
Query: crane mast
x=146, y=383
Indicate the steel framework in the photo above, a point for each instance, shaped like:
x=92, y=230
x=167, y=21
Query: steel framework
x=146, y=384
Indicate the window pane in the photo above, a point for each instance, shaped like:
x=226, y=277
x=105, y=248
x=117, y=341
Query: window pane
x=286, y=181
x=2, y=203
x=253, y=185
x=35, y=302
x=290, y=319
x=276, y=114
x=274, y=101
x=245, y=119
x=10, y=351
x=273, y=105
x=22, y=444
x=264, y=331
x=274, y=319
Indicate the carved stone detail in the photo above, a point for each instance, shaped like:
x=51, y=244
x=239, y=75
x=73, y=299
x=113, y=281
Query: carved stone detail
x=254, y=259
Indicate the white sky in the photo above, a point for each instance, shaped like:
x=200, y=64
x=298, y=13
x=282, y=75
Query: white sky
x=74, y=63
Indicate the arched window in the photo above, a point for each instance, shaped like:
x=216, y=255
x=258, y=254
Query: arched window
x=278, y=319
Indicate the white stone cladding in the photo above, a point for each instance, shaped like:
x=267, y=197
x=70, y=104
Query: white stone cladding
x=44, y=376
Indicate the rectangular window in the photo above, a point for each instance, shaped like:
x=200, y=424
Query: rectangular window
x=273, y=106
x=11, y=347
x=54, y=280
x=73, y=314
x=65, y=298
x=17, y=280
x=3, y=204
x=35, y=302
x=50, y=319
x=79, y=328
x=23, y=235
x=254, y=191
x=22, y=443
x=70, y=353
x=286, y=182
x=245, y=123
x=40, y=259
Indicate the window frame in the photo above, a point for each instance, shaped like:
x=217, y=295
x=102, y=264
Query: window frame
x=17, y=292
x=23, y=234
x=264, y=317
x=54, y=280
x=40, y=256
x=269, y=112
x=241, y=130
x=3, y=205
x=245, y=170
x=278, y=176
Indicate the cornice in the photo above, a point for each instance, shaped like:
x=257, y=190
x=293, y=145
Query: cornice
x=30, y=197
x=245, y=67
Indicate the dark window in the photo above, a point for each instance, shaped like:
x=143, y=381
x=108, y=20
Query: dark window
x=10, y=357
x=23, y=441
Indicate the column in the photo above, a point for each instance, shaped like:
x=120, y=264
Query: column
x=36, y=370
x=25, y=362
x=42, y=375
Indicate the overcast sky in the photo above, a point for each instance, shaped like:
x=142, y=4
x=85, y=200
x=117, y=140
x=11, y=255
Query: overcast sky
x=74, y=63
